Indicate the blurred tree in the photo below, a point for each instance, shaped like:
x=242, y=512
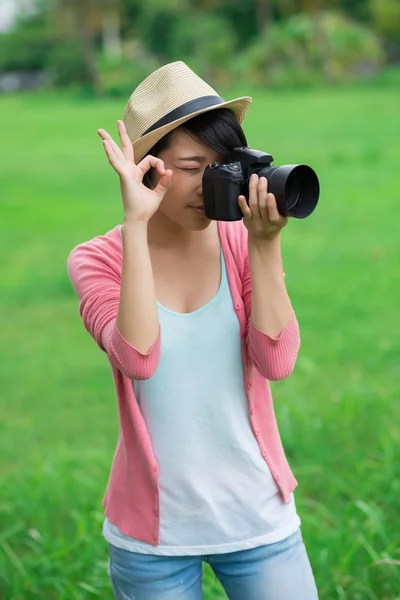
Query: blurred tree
x=199, y=32
x=112, y=44
x=83, y=21
x=355, y=8
x=358, y=9
x=27, y=46
x=264, y=13
x=111, y=29
x=386, y=18
x=303, y=50
x=201, y=14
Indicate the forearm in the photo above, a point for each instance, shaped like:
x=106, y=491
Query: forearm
x=271, y=308
x=137, y=318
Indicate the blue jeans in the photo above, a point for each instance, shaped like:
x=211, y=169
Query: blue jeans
x=279, y=571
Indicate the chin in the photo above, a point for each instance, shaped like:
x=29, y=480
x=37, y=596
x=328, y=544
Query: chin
x=186, y=219
x=199, y=224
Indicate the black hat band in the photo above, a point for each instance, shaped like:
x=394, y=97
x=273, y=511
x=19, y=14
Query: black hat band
x=186, y=109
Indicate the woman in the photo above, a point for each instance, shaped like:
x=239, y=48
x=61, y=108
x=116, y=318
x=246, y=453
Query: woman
x=195, y=319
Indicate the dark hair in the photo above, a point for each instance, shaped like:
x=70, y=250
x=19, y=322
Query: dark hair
x=219, y=129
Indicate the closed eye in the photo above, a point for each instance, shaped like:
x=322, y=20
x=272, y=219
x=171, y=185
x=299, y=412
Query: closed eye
x=195, y=169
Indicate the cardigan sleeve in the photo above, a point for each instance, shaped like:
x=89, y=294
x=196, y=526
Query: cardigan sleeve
x=274, y=358
x=96, y=278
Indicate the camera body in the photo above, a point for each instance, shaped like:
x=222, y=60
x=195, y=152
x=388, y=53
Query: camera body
x=296, y=187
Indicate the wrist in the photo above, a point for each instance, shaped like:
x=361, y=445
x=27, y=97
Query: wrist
x=266, y=246
x=134, y=229
x=266, y=255
x=132, y=222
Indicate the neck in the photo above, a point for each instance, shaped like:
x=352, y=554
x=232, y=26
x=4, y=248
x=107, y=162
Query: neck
x=162, y=232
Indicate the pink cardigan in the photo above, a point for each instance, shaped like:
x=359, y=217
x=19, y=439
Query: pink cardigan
x=131, y=499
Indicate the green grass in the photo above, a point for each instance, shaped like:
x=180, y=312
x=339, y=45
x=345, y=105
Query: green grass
x=339, y=413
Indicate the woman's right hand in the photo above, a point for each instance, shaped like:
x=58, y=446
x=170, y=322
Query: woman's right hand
x=140, y=202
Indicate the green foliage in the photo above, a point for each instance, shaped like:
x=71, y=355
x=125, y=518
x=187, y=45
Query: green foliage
x=221, y=39
x=27, y=47
x=119, y=77
x=327, y=47
x=206, y=40
x=65, y=64
x=386, y=16
x=157, y=29
x=213, y=48
x=274, y=42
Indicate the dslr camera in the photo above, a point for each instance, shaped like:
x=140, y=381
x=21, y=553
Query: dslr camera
x=296, y=187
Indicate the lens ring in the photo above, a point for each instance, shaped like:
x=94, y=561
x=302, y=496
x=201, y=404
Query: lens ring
x=293, y=191
x=301, y=191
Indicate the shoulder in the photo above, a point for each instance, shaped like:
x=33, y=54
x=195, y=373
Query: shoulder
x=103, y=250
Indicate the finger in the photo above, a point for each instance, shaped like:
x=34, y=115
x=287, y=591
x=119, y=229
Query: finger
x=272, y=209
x=151, y=161
x=262, y=199
x=164, y=184
x=253, y=197
x=127, y=148
x=112, y=159
x=246, y=212
x=106, y=136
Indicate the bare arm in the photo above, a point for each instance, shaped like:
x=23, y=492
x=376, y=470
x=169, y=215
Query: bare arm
x=137, y=317
x=271, y=309
x=273, y=335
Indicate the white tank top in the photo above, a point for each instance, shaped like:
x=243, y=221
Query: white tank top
x=217, y=494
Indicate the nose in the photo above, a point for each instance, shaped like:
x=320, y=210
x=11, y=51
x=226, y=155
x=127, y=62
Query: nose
x=200, y=188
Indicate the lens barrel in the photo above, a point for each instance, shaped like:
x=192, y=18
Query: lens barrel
x=295, y=187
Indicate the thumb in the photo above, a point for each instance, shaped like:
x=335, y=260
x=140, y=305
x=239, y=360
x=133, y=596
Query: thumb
x=164, y=184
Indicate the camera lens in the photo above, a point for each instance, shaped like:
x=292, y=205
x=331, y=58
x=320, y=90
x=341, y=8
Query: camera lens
x=301, y=191
x=293, y=191
x=296, y=189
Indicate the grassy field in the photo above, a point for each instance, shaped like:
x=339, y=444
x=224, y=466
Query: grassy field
x=339, y=413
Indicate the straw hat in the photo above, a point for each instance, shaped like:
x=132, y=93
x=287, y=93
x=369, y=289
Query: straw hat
x=167, y=98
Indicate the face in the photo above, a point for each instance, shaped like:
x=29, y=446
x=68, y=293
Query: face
x=188, y=159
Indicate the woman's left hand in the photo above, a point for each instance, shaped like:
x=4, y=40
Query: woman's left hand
x=261, y=216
